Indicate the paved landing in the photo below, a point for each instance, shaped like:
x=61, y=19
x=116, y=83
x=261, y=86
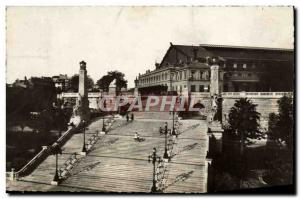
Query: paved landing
x=117, y=163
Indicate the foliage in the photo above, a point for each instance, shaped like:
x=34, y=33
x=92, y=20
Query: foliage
x=244, y=119
x=74, y=83
x=21, y=101
x=105, y=81
x=281, y=125
x=280, y=167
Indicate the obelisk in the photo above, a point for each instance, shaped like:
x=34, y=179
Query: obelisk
x=82, y=100
x=214, y=79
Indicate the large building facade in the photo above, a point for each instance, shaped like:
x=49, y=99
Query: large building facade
x=240, y=69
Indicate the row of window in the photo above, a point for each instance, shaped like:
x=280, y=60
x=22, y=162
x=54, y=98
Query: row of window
x=202, y=88
x=180, y=75
x=193, y=88
x=239, y=74
x=240, y=65
x=153, y=79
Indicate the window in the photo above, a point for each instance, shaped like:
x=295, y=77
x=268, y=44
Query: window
x=249, y=74
x=240, y=74
x=206, y=88
x=244, y=66
x=201, y=75
x=201, y=88
x=234, y=65
x=193, y=74
x=193, y=88
x=184, y=74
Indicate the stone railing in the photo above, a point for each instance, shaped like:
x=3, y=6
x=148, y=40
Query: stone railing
x=25, y=170
x=40, y=157
x=200, y=94
x=255, y=94
x=74, y=95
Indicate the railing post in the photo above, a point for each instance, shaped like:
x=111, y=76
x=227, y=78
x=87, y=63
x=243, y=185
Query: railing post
x=12, y=174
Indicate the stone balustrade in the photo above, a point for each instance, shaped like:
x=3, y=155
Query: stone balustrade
x=255, y=94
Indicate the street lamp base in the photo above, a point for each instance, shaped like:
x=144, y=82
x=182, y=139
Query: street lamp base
x=83, y=153
x=173, y=132
x=54, y=183
x=153, y=189
x=166, y=155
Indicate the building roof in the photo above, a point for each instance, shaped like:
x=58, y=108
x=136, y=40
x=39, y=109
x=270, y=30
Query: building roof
x=247, y=53
x=245, y=47
x=250, y=53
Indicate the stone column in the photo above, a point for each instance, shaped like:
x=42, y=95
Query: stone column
x=82, y=104
x=82, y=79
x=214, y=79
x=136, y=90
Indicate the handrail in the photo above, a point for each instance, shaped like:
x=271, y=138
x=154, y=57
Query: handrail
x=42, y=154
x=23, y=169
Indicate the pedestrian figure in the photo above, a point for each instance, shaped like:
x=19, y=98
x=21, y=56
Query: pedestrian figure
x=127, y=117
x=136, y=137
x=161, y=131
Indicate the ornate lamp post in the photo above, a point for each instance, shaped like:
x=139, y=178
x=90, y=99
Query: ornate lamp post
x=173, y=127
x=171, y=85
x=103, y=124
x=104, y=104
x=166, y=156
x=55, y=151
x=83, y=147
x=154, y=159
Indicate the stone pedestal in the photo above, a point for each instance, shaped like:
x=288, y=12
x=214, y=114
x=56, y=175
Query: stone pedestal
x=112, y=89
x=55, y=183
x=12, y=174
x=136, y=92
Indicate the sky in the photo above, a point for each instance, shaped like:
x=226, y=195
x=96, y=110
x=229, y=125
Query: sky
x=47, y=41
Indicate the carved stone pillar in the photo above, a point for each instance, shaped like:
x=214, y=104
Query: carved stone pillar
x=214, y=80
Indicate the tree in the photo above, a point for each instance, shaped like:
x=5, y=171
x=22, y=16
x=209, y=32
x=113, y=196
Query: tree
x=104, y=81
x=74, y=82
x=281, y=125
x=244, y=119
